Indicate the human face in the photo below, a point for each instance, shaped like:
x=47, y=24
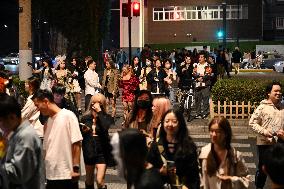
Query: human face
x=62, y=65
x=217, y=135
x=42, y=106
x=155, y=106
x=58, y=98
x=107, y=65
x=187, y=60
x=158, y=63
x=275, y=95
x=201, y=58
x=167, y=65
x=136, y=61
x=74, y=61
x=171, y=124
x=92, y=66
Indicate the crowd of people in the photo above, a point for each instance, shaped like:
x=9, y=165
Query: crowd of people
x=44, y=138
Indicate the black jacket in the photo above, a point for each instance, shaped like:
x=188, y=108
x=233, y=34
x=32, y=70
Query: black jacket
x=161, y=83
x=104, y=122
x=185, y=161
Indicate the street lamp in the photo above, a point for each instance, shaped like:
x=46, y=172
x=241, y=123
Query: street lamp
x=224, y=6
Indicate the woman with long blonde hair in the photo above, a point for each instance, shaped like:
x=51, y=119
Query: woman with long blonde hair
x=95, y=145
x=160, y=105
x=129, y=83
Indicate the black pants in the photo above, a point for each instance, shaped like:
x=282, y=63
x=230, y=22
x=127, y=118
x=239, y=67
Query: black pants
x=87, y=101
x=202, y=101
x=260, y=176
x=62, y=184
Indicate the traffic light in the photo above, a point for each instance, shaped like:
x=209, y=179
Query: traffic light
x=220, y=34
x=125, y=9
x=136, y=9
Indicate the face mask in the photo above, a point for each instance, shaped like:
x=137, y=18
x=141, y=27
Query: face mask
x=144, y=104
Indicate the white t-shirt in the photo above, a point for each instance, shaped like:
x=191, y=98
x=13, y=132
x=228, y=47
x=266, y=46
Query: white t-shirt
x=61, y=132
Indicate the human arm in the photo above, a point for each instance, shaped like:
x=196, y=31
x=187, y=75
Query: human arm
x=23, y=163
x=76, y=152
x=256, y=122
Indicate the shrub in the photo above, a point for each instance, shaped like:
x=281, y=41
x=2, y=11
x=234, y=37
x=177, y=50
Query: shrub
x=241, y=89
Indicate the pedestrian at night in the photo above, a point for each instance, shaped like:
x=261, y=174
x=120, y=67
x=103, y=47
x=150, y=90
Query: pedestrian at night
x=160, y=106
x=95, y=124
x=203, y=83
x=143, y=76
x=22, y=165
x=136, y=66
x=129, y=83
x=171, y=77
x=30, y=111
x=91, y=82
x=221, y=165
x=130, y=151
x=174, y=153
x=110, y=84
x=141, y=114
x=273, y=165
x=268, y=122
x=157, y=79
x=236, y=59
x=61, y=144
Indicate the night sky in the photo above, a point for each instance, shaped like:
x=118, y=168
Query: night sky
x=9, y=27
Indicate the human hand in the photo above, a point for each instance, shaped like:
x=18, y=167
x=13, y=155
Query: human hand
x=267, y=133
x=75, y=176
x=163, y=170
x=280, y=134
x=96, y=106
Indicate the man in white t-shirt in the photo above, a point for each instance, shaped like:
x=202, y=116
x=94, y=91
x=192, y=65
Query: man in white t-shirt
x=62, y=143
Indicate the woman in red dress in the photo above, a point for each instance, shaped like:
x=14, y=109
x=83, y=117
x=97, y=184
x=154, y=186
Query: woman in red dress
x=129, y=83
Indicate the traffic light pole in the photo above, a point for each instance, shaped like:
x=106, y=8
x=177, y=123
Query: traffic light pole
x=224, y=5
x=129, y=31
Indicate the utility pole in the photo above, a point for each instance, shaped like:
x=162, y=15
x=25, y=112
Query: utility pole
x=129, y=31
x=25, y=37
x=224, y=6
x=238, y=24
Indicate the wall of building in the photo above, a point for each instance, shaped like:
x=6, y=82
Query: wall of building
x=201, y=30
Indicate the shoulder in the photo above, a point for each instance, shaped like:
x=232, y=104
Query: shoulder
x=205, y=150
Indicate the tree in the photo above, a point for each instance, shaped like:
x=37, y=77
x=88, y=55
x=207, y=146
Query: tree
x=83, y=23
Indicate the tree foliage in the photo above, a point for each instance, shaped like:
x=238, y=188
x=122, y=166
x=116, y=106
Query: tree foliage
x=84, y=23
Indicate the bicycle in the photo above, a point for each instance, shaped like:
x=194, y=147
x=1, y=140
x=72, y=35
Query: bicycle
x=187, y=101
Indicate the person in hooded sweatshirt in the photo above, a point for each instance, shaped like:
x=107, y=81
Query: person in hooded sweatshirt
x=268, y=122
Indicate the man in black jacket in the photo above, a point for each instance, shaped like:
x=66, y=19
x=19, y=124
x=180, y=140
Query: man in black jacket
x=236, y=59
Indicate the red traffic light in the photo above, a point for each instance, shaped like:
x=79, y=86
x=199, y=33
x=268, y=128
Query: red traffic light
x=136, y=9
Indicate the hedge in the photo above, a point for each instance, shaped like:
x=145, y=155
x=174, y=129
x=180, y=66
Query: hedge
x=241, y=89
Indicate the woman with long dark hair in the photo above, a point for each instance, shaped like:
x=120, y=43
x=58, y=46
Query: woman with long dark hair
x=222, y=166
x=141, y=114
x=130, y=151
x=174, y=152
x=47, y=75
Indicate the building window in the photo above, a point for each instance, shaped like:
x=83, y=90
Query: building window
x=213, y=12
x=280, y=23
